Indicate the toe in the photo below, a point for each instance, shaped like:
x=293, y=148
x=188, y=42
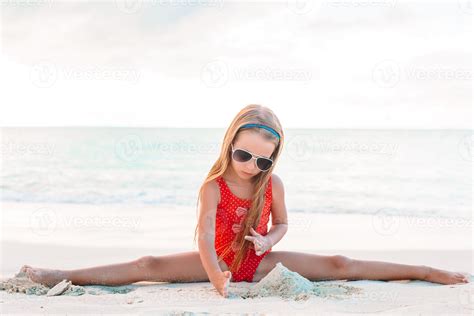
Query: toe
x=465, y=277
x=461, y=279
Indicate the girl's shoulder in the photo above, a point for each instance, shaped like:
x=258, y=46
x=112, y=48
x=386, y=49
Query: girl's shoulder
x=275, y=178
x=211, y=190
x=277, y=184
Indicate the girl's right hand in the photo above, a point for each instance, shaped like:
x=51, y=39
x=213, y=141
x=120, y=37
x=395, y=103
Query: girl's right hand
x=221, y=281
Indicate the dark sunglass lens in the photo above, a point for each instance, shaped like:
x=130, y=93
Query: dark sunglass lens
x=264, y=164
x=242, y=156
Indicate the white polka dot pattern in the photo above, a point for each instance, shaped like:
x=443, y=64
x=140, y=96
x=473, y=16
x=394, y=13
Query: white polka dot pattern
x=231, y=212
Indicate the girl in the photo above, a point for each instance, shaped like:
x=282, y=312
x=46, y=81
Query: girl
x=234, y=206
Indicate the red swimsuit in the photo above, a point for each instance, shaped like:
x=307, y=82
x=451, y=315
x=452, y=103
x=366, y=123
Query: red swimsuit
x=229, y=217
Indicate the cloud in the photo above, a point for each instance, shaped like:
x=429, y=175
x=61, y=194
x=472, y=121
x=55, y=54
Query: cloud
x=348, y=64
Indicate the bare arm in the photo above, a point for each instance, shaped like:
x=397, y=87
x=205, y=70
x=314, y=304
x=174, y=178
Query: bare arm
x=279, y=221
x=276, y=233
x=279, y=213
x=207, y=229
x=206, y=238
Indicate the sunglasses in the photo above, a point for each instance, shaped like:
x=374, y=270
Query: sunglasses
x=241, y=155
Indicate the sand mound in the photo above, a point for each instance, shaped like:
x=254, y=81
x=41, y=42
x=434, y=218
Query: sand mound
x=288, y=284
x=20, y=283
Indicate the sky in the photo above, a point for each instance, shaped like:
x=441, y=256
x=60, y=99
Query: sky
x=196, y=63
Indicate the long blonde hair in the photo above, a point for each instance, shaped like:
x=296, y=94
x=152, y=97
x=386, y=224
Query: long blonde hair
x=252, y=113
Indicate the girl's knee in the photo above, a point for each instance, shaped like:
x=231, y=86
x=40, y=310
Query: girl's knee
x=340, y=262
x=146, y=262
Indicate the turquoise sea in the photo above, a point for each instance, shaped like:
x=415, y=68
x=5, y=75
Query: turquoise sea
x=408, y=172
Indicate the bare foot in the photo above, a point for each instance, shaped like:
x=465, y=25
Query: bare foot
x=446, y=277
x=46, y=277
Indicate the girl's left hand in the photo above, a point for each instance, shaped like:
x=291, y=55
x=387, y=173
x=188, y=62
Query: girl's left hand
x=261, y=243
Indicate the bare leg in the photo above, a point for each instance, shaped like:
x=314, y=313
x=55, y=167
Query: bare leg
x=181, y=267
x=317, y=267
x=380, y=270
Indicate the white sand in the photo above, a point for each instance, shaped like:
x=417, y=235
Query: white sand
x=284, y=283
x=391, y=298
x=151, y=298
x=78, y=245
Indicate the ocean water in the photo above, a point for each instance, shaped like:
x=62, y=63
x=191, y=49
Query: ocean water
x=407, y=172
